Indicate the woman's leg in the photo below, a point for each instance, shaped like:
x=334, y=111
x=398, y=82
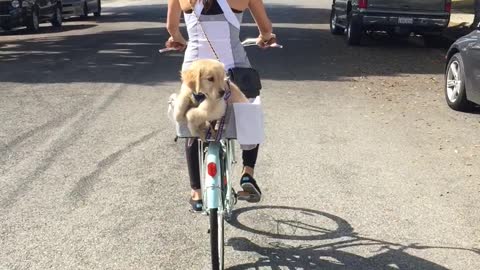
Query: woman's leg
x=247, y=181
x=249, y=160
x=191, y=151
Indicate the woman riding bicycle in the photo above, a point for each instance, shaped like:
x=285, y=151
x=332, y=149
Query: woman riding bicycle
x=220, y=20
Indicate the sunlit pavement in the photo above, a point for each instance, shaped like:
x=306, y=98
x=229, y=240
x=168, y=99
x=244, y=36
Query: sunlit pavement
x=364, y=165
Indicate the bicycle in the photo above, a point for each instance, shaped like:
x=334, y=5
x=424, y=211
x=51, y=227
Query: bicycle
x=217, y=159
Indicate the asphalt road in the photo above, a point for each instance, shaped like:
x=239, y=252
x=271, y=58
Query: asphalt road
x=364, y=166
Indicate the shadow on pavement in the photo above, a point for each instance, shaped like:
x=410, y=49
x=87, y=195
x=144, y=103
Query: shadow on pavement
x=44, y=29
x=158, y=13
x=332, y=254
x=309, y=54
x=134, y=13
x=455, y=32
x=292, y=14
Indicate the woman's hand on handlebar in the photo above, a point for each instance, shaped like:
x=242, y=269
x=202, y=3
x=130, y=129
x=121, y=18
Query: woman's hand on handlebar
x=178, y=45
x=265, y=42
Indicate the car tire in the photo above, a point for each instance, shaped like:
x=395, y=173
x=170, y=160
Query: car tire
x=334, y=28
x=57, y=19
x=98, y=13
x=455, y=91
x=33, y=22
x=85, y=10
x=354, y=31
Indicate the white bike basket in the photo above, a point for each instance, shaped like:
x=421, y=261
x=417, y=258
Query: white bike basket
x=249, y=122
x=244, y=122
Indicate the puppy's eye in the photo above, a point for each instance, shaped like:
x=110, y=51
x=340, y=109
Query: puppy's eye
x=210, y=79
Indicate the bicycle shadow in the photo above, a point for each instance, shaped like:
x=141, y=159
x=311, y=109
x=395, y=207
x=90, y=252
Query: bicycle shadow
x=336, y=253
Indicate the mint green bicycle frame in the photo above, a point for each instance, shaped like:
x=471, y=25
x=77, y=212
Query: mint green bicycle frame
x=219, y=197
x=217, y=194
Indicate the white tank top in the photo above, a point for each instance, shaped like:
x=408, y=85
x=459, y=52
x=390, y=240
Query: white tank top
x=223, y=31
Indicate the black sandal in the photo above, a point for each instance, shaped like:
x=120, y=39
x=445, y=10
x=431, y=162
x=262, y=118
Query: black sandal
x=250, y=186
x=197, y=205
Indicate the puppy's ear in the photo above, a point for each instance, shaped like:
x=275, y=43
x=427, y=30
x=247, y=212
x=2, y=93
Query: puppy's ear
x=191, y=78
x=198, y=83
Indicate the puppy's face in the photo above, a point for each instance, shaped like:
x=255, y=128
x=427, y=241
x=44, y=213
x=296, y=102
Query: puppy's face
x=206, y=77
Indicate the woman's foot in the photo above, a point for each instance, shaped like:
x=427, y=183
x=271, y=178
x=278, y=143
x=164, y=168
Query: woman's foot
x=248, y=170
x=196, y=200
x=196, y=194
x=249, y=185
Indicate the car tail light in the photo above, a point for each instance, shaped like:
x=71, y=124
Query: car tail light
x=448, y=6
x=212, y=169
x=362, y=3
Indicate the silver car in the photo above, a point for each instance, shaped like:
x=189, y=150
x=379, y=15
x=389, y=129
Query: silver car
x=462, y=73
x=81, y=8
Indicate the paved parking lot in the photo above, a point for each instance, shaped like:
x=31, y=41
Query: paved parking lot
x=364, y=166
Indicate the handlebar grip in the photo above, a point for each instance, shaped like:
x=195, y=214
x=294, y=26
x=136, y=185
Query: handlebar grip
x=164, y=50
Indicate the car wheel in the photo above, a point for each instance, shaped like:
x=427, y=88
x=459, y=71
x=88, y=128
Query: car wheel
x=57, y=17
x=33, y=23
x=334, y=28
x=354, y=31
x=99, y=9
x=85, y=10
x=455, y=92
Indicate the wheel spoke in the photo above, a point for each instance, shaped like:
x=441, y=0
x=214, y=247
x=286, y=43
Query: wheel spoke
x=451, y=95
x=451, y=83
x=454, y=70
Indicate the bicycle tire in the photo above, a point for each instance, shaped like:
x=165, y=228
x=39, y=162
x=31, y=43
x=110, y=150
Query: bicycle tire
x=216, y=212
x=217, y=243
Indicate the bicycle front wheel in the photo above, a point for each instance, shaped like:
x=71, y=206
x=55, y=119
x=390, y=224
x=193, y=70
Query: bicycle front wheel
x=217, y=239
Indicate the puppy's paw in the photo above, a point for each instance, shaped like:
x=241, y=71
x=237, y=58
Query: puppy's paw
x=202, y=136
x=204, y=130
x=181, y=108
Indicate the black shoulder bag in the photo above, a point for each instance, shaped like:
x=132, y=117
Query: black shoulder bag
x=247, y=79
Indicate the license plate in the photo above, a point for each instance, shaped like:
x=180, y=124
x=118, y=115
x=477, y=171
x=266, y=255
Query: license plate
x=405, y=20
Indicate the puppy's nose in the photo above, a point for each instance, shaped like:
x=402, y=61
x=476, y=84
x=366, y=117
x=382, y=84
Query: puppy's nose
x=222, y=93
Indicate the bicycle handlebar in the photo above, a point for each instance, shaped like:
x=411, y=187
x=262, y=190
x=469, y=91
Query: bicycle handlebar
x=164, y=50
x=246, y=43
x=253, y=42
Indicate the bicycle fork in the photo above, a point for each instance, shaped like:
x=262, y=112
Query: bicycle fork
x=213, y=178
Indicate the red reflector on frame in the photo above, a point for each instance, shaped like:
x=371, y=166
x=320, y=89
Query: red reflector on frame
x=212, y=169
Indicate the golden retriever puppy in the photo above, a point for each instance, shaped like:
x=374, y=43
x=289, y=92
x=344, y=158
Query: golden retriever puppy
x=204, y=78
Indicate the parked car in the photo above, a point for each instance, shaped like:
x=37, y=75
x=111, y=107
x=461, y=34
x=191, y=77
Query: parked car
x=81, y=8
x=30, y=13
x=400, y=17
x=462, y=73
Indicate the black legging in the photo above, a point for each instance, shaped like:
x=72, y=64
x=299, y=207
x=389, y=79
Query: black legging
x=191, y=149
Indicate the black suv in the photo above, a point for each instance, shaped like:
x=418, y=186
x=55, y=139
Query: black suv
x=30, y=13
x=397, y=17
